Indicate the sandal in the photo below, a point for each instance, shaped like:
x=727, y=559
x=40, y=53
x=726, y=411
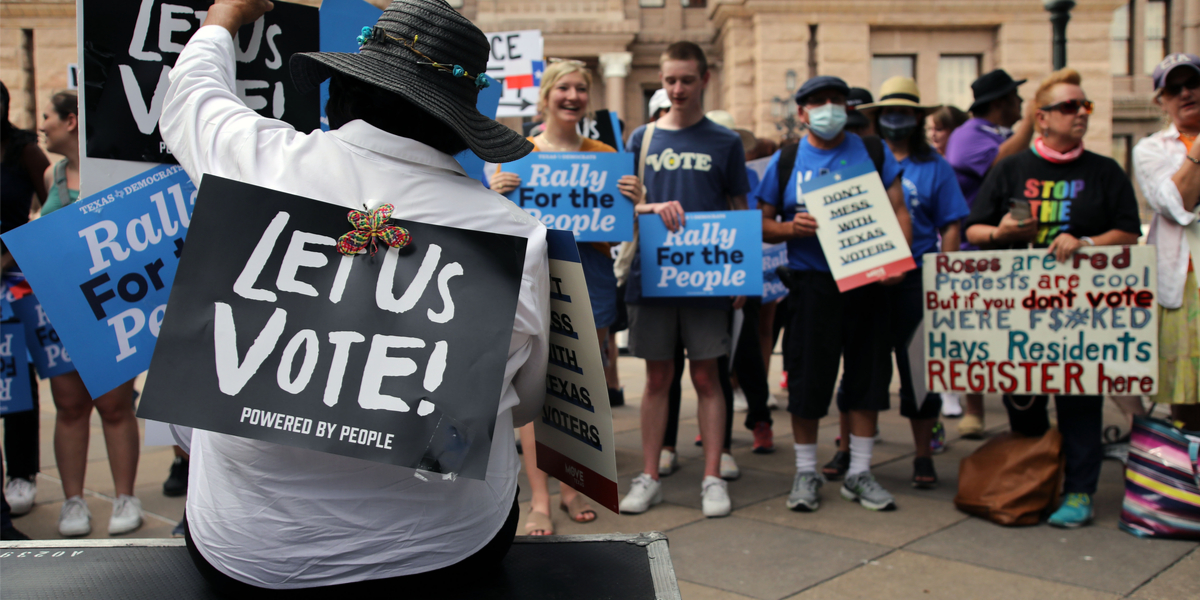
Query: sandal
x=539, y=522
x=924, y=475
x=578, y=508
x=836, y=468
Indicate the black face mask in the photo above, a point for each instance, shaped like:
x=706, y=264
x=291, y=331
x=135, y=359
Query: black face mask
x=897, y=127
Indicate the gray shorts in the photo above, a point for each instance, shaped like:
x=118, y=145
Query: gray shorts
x=653, y=331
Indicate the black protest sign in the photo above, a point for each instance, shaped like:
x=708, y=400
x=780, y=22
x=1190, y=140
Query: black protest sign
x=129, y=47
x=395, y=357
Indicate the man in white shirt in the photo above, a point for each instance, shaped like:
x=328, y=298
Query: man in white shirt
x=283, y=518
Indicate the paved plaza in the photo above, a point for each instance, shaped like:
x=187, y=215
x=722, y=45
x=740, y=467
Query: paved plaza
x=925, y=549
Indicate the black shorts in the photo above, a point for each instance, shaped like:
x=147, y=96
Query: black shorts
x=826, y=325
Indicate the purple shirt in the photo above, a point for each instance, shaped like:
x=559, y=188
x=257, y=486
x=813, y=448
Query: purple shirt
x=970, y=150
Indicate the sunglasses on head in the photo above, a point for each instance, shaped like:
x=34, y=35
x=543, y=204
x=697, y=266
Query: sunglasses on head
x=1174, y=89
x=1071, y=107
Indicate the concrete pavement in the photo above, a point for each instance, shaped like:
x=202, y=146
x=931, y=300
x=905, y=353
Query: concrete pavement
x=925, y=549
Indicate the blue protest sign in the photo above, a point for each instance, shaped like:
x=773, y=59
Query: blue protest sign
x=103, y=269
x=49, y=355
x=774, y=256
x=576, y=191
x=714, y=254
x=16, y=393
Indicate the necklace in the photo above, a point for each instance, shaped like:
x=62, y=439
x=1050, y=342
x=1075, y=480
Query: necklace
x=551, y=146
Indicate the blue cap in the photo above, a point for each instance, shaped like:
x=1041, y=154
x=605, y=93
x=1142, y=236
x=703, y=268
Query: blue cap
x=821, y=82
x=1169, y=64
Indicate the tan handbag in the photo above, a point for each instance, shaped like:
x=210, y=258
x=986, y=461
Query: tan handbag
x=628, y=250
x=1011, y=479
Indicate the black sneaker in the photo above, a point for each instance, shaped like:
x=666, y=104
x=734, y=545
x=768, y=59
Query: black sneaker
x=616, y=397
x=177, y=482
x=836, y=468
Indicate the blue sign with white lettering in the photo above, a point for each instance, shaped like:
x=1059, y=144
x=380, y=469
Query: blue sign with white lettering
x=49, y=354
x=16, y=392
x=103, y=269
x=576, y=191
x=715, y=254
x=774, y=256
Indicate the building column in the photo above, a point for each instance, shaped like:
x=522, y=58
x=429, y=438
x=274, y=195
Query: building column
x=616, y=68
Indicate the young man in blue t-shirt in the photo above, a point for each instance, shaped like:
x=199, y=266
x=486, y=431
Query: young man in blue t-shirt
x=692, y=164
x=825, y=324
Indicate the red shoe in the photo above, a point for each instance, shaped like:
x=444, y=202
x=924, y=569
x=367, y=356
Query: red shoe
x=764, y=438
x=783, y=381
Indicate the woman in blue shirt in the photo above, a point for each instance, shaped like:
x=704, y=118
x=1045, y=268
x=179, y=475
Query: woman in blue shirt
x=936, y=204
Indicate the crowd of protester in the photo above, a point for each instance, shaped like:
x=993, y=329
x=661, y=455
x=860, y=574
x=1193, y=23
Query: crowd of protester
x=950, y=178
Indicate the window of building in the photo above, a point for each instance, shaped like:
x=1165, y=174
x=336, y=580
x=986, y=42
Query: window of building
x=955, y=74
x=455, y=3
x=694, y=3
x=1121, y=33
x=886, y=67
x=1155, y=29
x=1120, y=150
x=651, y=3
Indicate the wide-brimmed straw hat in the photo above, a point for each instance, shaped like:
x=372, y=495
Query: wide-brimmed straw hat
x=430, y=55
x=726, y=120
x=898, y=91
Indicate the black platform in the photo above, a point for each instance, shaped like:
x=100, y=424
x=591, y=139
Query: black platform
x=575, y=567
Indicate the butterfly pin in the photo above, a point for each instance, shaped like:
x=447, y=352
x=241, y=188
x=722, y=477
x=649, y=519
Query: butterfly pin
x=371, y=225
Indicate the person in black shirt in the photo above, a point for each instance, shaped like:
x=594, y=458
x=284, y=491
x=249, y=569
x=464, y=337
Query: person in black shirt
x=1077, y=199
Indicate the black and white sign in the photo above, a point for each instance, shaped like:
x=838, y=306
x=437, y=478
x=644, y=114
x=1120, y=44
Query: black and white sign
x=271, y=334
x=129, y=48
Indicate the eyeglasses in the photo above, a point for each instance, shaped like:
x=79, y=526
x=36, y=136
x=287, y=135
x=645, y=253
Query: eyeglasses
x=1174, y=89
x=1071, y=107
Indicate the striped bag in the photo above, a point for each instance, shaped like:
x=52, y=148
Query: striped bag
x=1162, y=482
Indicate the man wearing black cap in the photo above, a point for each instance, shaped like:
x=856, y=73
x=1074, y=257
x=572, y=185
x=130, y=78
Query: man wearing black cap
x=856, y=122
x=825, y=324
x=262, y=515
x=972, y=150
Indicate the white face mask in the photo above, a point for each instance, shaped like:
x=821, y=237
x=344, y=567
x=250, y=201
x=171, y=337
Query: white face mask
x=827, y=121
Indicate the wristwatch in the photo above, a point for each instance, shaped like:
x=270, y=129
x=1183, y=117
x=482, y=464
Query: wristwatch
x=1087, y=240
x=1189, y=157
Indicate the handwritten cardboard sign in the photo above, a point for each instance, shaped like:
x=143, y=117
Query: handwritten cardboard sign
x=102, y=268
x=1018, y=322
x=395, y=357
x=576, y=191
x=856, y=226
x=717, y=253
x=575, y=433
x=128, y=48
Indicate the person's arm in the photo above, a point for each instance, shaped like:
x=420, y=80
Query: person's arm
x=35, y=163
x=738, y=202
x=48, y=179
x=631, y=187
x=671, y=212
x=205, y=124
x=1161, y=181
x=990, y=225
x=951, y=237
x=896, y=196
x=529, y=350
x=1021, y=137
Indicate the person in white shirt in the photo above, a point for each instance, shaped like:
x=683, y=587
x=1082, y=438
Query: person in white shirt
x=266, y=516
x=1167, y=167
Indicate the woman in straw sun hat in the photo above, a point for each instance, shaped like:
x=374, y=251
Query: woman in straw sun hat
x=262, y=516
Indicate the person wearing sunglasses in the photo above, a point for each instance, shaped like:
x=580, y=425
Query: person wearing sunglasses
x=1077, y=199
x=1167, y=166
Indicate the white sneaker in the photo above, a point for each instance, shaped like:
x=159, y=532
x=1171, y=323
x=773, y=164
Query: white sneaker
x=646, y=492
x=729, y=468
x=772, y=402
x=951, y=407
x=75, y=518
x=740, y=404
x=714, y=497
x=126, y=515
x=668, y=462
x=20, y=492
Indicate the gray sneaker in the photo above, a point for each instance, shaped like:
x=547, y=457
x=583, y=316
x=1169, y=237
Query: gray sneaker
x=863, y=488
x=804, y=497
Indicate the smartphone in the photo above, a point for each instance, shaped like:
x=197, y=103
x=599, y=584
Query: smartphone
x=1019, y=209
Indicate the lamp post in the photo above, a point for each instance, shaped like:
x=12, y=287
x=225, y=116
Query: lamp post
x=1060, y=13
x=784, y=109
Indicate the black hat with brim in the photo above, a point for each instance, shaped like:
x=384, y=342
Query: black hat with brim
x=396, y=57
x=993, y=86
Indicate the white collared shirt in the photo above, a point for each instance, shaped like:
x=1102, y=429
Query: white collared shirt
x=281, y=517
x=1155, y=160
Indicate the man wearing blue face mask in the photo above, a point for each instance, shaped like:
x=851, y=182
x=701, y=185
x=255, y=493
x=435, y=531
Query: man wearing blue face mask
x=825, y=324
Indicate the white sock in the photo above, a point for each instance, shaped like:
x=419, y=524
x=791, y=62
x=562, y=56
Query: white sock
x=860, y=454
x=806, y=458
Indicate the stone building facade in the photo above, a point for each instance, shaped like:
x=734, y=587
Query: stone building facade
x=760, y=50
